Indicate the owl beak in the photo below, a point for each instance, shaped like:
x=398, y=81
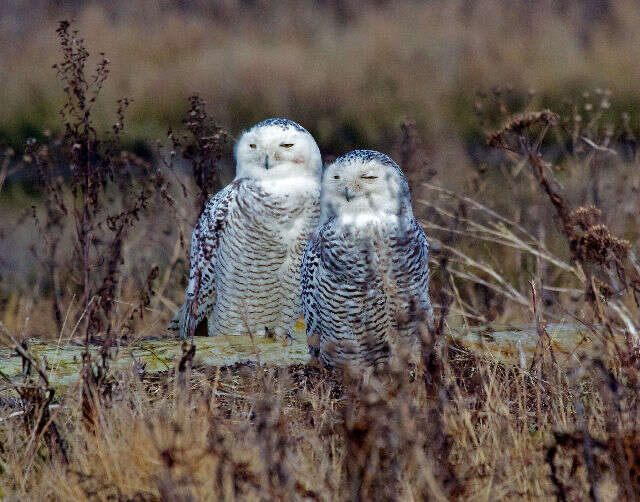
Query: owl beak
x=266, y=162
x=347, y=195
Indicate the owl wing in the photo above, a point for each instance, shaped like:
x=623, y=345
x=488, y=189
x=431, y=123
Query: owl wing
x=414, y=249
x=426, y=299
x=200, y=296
x=308, y=281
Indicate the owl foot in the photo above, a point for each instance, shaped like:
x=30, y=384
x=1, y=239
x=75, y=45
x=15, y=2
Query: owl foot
x=284, y=334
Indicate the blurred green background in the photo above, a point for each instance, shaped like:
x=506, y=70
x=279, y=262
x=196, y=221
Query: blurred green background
x=349, y=71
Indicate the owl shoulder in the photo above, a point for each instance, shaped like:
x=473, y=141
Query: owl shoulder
x=213, y=220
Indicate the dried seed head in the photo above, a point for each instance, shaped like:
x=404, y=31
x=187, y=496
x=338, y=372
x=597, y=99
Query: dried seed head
x=605, y=289
x=585, y=217
x=527, y=119
x=519, y=122
x=597, y=245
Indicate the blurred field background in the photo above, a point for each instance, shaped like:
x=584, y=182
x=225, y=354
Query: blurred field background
x=349, y=71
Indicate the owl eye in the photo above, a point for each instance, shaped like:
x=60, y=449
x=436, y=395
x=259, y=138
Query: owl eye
x=364, y=177
x=336, y=177
x=252, y=145
x=286, y=145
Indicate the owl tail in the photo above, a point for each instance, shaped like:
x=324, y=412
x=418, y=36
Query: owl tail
x=177, y=325
x=186, y=321
x=174, y=324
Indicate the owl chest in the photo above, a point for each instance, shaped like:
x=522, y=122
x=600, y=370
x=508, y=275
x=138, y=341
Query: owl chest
x=284, y=215
x=254, y=240
x=371, y=277
x=355, y=260
x=259, y=238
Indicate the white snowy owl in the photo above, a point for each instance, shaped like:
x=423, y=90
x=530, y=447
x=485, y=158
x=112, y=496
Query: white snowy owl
x=247, y=245
x=365, y=275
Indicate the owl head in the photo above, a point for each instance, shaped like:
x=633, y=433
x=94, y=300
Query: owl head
x=278, y=152
x=364, y=185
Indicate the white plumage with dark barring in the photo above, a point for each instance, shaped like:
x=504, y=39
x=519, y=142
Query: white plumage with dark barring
x=365, y=273
x=247, y=245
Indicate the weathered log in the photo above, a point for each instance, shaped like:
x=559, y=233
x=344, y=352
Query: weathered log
x=511, y=345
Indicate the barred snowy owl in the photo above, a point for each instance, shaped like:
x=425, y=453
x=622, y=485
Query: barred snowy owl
x=365, y=275
x=247, y=245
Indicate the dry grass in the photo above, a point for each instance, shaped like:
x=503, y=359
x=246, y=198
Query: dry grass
x=254, y=433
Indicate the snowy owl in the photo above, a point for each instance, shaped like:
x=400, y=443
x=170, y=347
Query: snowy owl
x=247, y=245
x=365, y=275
